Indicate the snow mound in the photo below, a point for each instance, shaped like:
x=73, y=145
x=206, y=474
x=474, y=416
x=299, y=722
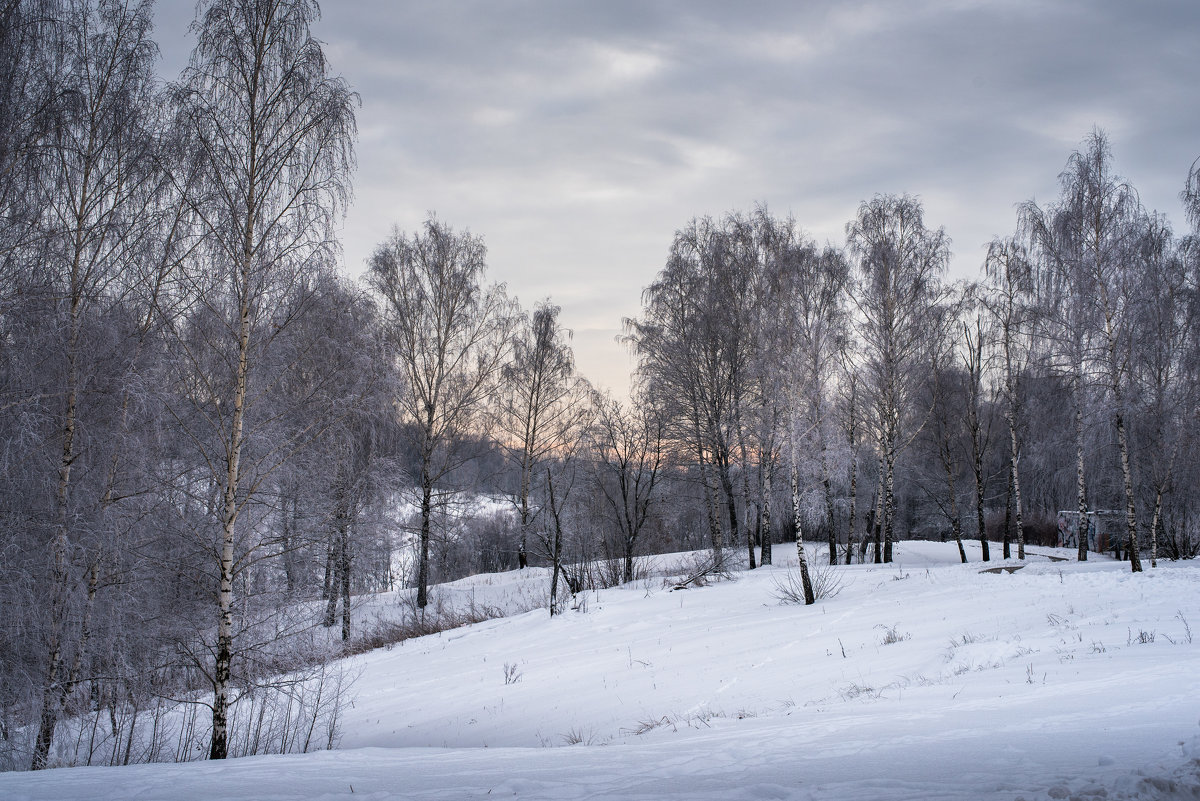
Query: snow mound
x=923, y=679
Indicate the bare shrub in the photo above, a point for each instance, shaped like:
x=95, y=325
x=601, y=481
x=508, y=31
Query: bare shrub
x=1142, y=637
x=827, y=581
x=966, y=639
x=892, y=635
x=649, y=725
x=583, y=575
x=1179, y=542
x=154, y=720
x=577, y=736
x=413, y=622
x=852, y=691
x=601, y=574
x=298, y=715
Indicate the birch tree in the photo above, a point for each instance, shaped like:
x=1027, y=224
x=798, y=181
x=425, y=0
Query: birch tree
x=1085, y=243
x=819, y=317
x=1009, y=302
x=1163, y=380
x=630, y=457
x=451, y=336
x=691, y=357
x=96, y=179
x=851, y=425
x=541, y=407
x=948, y=395
x=265, y=147
x=1063, y=327
x=898, y=266
x=973, y=360
x=28, y=91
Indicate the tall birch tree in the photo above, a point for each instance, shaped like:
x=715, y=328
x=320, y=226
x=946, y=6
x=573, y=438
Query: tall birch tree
x=1009, y=300
x=691, y=348
x=96, y=179
x=810, y=297
x=541, y=406
x=451, y=336
x=1086, y=244
x=898, y=264
x=973, y=362
x=265, y=135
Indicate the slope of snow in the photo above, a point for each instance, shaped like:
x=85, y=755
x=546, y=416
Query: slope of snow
x=922, y=679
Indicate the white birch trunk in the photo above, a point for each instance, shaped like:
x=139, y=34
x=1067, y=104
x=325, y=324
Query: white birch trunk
x=805, y=579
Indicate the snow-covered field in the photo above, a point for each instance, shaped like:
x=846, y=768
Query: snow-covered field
x=924, y=679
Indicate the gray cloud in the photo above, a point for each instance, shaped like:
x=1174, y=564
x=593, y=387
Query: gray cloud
x=577, y=136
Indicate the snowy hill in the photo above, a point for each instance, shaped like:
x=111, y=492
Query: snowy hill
x=921, y=679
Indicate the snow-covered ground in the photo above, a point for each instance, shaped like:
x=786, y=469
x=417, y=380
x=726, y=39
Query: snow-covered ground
x=924, y=679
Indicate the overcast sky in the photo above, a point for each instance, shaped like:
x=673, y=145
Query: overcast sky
x=576, y=137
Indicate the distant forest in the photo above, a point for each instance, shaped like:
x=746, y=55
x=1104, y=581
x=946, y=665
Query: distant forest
x=213, y=441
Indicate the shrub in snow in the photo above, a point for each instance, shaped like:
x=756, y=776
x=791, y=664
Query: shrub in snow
x=827, y=581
